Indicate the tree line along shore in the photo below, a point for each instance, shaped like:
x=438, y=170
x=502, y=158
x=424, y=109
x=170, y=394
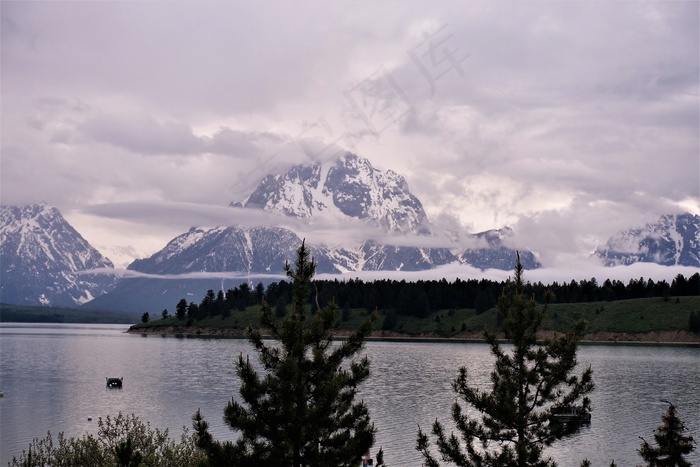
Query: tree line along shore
x=670, y=320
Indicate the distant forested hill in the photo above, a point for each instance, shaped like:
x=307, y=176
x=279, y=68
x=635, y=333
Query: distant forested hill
x=419, y=299
x=43, y=314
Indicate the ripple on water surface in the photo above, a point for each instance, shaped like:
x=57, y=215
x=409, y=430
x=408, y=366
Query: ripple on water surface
x=53, y=377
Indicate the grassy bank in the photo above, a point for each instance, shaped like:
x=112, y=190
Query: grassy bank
x=637, y=316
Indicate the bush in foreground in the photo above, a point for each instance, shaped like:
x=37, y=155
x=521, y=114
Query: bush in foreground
x=123, y=440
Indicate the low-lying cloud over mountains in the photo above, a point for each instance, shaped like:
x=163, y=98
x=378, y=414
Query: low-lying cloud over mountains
x=45, y=261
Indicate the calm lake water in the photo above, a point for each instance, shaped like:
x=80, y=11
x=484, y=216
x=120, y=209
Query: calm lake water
x=53, y=379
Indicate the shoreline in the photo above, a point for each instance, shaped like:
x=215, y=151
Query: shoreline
x=653, y=338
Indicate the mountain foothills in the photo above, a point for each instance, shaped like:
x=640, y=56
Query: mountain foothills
x=44, y=258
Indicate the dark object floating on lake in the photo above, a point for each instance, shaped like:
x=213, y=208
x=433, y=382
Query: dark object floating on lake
x=570, y=414
x=114, y=382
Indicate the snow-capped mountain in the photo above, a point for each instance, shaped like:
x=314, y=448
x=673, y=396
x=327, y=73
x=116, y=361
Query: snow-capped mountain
x=378, y=257
x=264, y=250
x=350, y=187
x=347, y=187
x=494, y=254
x=42, y=257
x=255, y=250
x=672, y=240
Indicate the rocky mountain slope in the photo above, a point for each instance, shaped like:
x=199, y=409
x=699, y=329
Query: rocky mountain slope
x=672, y=240
x=350, y=187
x=256, y=250
x=494, y=254
x=42, y=256
x=347, y=187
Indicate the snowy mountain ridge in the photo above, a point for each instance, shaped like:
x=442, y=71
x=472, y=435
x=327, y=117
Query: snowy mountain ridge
x=43, y=258
x=494, y=253
x=672, y=240
x=346, y=187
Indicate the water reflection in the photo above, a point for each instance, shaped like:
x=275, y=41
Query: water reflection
x=53, y=377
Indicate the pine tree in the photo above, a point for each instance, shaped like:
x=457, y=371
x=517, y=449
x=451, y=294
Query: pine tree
x=302, y=410
x=181, y=309
x=528, y=384
x=694, y=322
x=671, y=443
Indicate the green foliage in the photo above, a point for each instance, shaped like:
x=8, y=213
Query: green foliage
x=618, y=316
x=346, y=312
x=192, y=310
x=280, y=307
x=484, y=300
x=624, y=315
x=694, y=322
x=587, y=463
x=181, y=309
x=145, y=318
x=671, y=443
x=302, y=410
x=527, y=385
x=390, y=320
x=259, y=294
x=126, y=455
x=121, y=440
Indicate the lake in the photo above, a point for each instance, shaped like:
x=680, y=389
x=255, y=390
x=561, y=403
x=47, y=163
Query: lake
x=53, y=378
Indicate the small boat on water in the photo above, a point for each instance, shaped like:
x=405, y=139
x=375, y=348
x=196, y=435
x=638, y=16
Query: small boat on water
x=114, y=382
x=570, y=414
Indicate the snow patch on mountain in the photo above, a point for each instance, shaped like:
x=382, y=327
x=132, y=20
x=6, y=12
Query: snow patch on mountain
x=348, y=187
x=43, y=259
x=495, y=253
x=672, y=240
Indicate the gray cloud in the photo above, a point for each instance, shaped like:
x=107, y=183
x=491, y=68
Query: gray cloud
x=567, y=121
x=143, y=135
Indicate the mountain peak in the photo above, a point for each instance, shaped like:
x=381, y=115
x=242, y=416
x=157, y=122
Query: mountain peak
x=672, y=240
x=43, y=259
x=347, y=187
x=495, y=254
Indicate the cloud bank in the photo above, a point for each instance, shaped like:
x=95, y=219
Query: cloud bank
x=566, y=121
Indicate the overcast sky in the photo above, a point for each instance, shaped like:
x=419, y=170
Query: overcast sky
x=567, y=121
